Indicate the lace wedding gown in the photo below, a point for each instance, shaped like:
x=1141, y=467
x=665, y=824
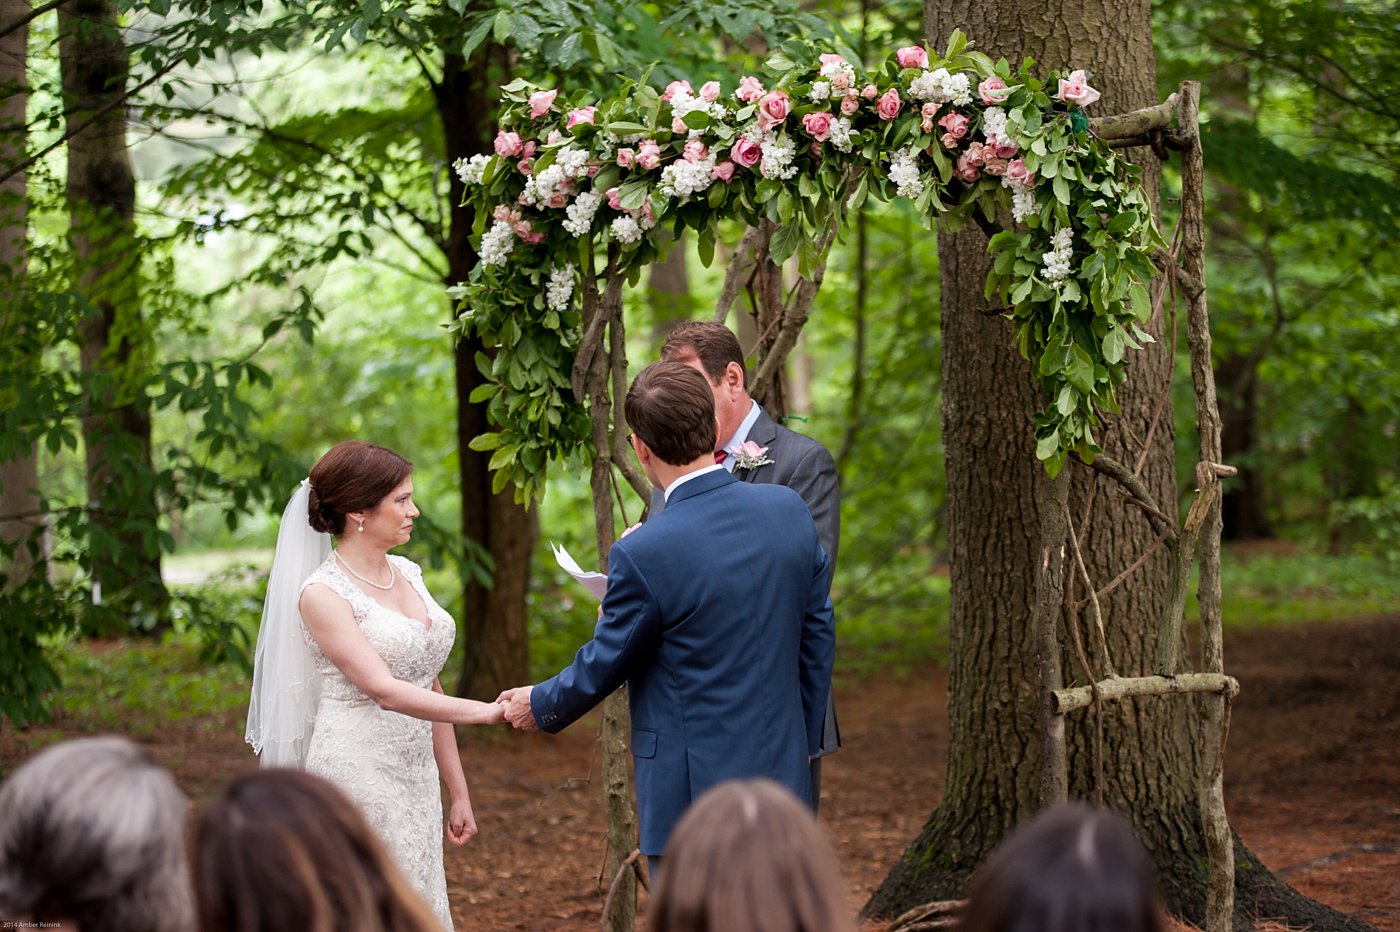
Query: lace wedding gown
x=384, y=760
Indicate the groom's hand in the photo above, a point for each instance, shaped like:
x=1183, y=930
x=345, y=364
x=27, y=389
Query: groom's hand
x=516, y=703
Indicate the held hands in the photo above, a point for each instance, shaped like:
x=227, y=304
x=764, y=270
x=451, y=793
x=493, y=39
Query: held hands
x=515, y=703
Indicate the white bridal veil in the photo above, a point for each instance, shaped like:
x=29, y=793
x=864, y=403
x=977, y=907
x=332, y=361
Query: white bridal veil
x=286, y=686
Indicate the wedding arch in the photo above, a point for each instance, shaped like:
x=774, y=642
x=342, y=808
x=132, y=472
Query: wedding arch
x=580, y=195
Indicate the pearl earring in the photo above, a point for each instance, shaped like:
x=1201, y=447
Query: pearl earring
x=362, y=527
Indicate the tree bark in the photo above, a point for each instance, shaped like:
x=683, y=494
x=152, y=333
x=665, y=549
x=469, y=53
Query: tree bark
x=493, y=617
x=1149, y=753
x=123, y=542
x=21, y=525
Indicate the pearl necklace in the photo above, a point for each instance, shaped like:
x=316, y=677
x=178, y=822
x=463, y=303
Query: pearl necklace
x=369, y=582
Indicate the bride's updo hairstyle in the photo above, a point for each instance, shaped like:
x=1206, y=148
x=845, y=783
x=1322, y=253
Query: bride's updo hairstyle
x=352, y=476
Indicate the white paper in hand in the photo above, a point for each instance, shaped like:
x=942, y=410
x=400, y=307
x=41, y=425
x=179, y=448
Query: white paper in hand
x=595, y=583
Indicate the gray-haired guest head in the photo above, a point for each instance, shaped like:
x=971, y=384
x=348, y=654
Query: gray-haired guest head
x=92, y=831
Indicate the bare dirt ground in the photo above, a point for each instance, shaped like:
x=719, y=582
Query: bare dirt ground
x=1312, y=782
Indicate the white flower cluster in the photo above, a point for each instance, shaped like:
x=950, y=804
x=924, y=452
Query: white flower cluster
x=841, y=74
x=939, y=86
x=777, y=156
x=497, y=244
x=994, y=127
x=569, y=163
x=1022, y=200
x=683, y=102
x=904, y=172
x=1058, y=258
x=470, y=170
x=841, y=134
x=684, y=177
x=573, y=161
x=581, y=213
x=821, y=90
x=626, y=229
x=559, y=291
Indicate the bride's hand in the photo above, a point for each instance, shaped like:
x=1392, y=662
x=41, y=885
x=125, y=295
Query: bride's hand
x=461, y=823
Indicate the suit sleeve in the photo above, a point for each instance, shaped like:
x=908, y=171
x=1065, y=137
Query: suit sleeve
x=818, y=652
x=624, y=639
x=814, y=478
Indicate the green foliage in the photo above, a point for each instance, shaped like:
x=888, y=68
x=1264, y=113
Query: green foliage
x=1303, y=588
x=542, y=200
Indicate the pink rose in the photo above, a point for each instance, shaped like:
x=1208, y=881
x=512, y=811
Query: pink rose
x=508, y=145
x=818, y=126
x=505, y=214
x=694, y=150
x=593, y=170
x=977, y=154
x=831, y=58
x=746, y=152
x=869, y=92
x=678, y=126
x=749, y=450
x=541, y=102
x=530, y=149
x=1004, y=148
x=649, y=155
x=626, y=156
x=773, y=109
x=889, y=104
x=526, y=166
x=841, y=81
x=533, y=239
x=749, y=89
x=912, y=56
x=850, y=103
x=1075, y=89
x=995, y=166
x=966, y=170
x=993, y=91
x=581, y=115
x=613, y=202
x=709, y=91
x=1017, y=173
x=557, y=201
x=675, y=86
x=949, y=141
x=521, y=227
x=553, y=137
x=724, y=171
x=956, y=125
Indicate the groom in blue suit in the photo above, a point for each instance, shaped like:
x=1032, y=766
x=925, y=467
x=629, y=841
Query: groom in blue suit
x=716, y=616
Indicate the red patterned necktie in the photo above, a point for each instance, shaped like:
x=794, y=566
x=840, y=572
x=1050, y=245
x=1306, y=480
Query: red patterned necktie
x=720, y=456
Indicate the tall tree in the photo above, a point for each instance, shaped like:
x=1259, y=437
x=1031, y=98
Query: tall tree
x=124, y=549
x=1148, y=753
x=19, y=470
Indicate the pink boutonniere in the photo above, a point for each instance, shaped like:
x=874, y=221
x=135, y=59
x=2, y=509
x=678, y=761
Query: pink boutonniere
x=749, y=455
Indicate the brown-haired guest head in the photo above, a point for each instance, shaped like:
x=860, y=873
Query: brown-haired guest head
x=713, y=344
x=748, y=857
x=1072, y=868
x=352, y=476
x=282, y=850
x=672, y=409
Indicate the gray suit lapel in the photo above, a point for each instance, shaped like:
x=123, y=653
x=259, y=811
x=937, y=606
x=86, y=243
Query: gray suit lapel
x=764, y=433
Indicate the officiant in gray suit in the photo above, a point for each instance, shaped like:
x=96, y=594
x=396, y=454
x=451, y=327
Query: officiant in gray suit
x=756, y=448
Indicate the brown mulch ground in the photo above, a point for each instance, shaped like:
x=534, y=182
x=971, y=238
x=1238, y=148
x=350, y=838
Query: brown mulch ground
x=1312, y=782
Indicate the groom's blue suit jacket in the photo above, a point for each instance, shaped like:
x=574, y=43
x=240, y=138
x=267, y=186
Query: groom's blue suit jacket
x=718, y=619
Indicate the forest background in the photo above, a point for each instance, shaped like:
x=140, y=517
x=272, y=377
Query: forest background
x=230, y=230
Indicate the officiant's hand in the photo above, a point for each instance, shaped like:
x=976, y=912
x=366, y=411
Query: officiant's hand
x=516, y=703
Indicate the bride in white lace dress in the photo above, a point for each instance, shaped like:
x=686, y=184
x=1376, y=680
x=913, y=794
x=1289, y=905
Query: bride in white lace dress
x=354, y=694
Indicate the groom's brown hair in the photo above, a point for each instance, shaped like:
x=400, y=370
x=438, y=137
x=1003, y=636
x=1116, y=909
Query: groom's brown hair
x=713, y=344
x=671, y=407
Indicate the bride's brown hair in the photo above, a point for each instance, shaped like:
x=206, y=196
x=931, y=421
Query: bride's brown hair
x=352, y=476
x=283, y=850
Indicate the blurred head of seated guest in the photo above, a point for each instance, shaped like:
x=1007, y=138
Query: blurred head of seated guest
x=748, y=857
x=92, y=837
x=282, y=850
x=1072, y=868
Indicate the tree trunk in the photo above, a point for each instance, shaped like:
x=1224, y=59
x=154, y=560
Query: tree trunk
x=493, y=618
x=1244, y=512
x=668, y=289
x=20, y=520
x=1149, y=751
x=124, y=547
